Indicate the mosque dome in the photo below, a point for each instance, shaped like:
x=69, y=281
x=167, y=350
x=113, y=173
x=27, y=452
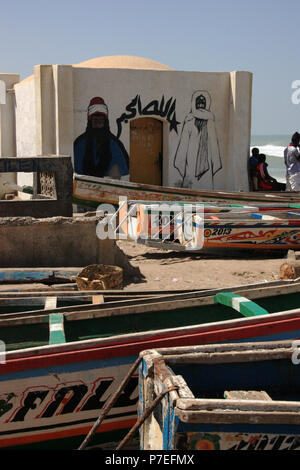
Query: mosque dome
x=117, y=62
x=123, y=62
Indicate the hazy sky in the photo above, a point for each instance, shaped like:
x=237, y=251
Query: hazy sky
x=260, y=36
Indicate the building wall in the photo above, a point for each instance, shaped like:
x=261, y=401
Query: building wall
x=7, y=125
x=62, y=95
x=26, y=145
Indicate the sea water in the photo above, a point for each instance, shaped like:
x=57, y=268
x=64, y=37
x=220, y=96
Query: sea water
x=272, y=146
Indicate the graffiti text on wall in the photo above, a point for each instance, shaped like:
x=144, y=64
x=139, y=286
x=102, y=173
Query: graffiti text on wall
x=165, y=110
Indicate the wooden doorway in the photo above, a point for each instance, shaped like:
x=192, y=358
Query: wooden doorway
x=146, y=137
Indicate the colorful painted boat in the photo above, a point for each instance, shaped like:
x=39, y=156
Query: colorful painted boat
x=91, y=191
x=237, y=229
x=278, y=231
x=223, y=397
x=58, y=369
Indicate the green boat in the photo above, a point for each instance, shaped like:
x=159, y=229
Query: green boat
x=60, y=365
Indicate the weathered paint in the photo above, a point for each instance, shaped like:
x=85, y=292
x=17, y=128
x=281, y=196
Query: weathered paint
x=51, y=383
x=92, y=191
x=241, y=304
x=63, y=401
x=238, y=441
x=202, y=420
x=56, y=328
x=224, y=230
x=36, y=274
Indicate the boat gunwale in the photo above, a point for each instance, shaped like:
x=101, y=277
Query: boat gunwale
x=156, y=304
x=133, y=338
x=237, y=195
x=190, y=409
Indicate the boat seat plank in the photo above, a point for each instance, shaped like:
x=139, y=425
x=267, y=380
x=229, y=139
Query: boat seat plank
x=56, y=329
x=98, y=299
x=50, y=303
x=244, y=306
x=247, y=395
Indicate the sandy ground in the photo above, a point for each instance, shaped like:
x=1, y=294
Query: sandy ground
x=159, y=269
x=147, y=268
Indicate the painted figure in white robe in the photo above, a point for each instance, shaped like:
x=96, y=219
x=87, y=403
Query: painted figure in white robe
x=198, y=155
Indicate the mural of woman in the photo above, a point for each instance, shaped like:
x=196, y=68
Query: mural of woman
x=97, y=152
x=198, y=151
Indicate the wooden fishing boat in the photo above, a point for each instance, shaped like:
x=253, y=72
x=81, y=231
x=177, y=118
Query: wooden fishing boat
x=91, y=191
x=278, y=231
x=47, y=276
x=209, y=232
x=221, y=397
x=30, y=301
x=22, y=301
x=60, y=368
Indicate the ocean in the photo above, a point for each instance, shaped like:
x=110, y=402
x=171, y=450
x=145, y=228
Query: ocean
x=272, y=146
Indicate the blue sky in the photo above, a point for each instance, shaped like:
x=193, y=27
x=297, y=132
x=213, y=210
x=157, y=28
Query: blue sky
x=261, y=36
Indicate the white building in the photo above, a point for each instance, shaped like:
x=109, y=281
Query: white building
x=177, y=128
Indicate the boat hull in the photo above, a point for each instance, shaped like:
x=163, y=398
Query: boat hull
x=92, y=191
x=52, y=395
x=227, y=397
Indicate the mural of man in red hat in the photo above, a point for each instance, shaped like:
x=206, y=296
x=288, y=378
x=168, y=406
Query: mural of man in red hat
x=97, y=152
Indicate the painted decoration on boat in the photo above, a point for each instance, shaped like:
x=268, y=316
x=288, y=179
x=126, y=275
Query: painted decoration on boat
x=63, y=403
x=198, y=152
x=237, y=441
x=165, y=110
x=263, y=236
x=98, y=152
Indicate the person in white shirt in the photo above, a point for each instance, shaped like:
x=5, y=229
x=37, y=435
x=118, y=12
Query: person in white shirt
x=292, y=162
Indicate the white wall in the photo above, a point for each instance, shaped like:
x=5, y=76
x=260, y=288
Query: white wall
x=119, y=87
x=7, y=126
x=52, y=113
x=25, y=127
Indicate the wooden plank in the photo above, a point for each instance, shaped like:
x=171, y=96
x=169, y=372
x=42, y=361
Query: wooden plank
x=98, y=299
x=246, y=395
x=239, y=417
x=267, y=406
x=37, y=274
x=260, y=290
x=223, y=357
x=50, y=303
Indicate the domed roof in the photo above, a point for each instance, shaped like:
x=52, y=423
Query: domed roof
x=116, y=62
x=123, y=62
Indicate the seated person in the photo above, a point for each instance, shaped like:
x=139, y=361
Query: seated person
x=265, y=181
x=253, y=162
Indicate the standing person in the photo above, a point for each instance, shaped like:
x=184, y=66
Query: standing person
x=253, y=162
x=97, y=152
x=288, y=186
x=292, y=161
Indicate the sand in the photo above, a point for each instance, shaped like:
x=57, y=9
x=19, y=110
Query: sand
x=168, y=270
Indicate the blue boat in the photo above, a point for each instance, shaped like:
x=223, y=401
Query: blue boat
x=221, y=397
